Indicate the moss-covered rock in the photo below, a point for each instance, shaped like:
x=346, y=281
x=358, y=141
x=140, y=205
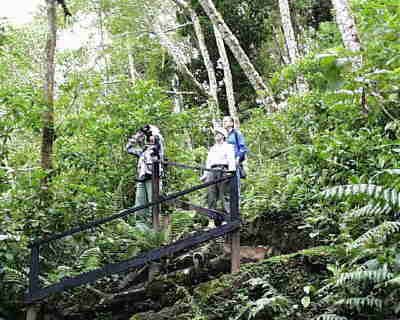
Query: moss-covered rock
x=177, y=312
x=281, y=287
x=214, y=287
x=279, y=231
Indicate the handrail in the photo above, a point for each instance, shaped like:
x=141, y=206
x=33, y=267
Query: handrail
x=125, y=212
x=140, y=260
x=185, y=166
x=232, y=226
x=214, y=214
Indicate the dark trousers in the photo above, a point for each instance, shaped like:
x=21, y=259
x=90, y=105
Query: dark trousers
x=218, y=192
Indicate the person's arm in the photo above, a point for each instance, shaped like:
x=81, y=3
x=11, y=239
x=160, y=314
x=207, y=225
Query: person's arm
x=230, y=154
x=241, y=146
x=162, y=147
x=133, y=146
x=208, y=166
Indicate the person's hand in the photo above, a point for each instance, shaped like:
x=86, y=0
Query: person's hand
x=203, y=178
x=237, y=162
x=137, y=137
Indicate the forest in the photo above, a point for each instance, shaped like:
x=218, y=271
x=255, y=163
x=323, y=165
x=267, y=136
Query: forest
x=313, y=86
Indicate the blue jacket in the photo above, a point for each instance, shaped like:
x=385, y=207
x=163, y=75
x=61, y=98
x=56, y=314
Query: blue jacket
x=237, y=139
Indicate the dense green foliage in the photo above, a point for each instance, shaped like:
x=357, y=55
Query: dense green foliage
x=330, y=157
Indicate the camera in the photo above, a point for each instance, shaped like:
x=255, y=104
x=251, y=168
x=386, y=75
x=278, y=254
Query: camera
x=146, y=130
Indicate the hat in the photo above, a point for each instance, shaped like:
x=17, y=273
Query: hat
x=221, y=131
x=150, y=130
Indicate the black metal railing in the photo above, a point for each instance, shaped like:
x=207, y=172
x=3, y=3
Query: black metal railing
x=232, y=225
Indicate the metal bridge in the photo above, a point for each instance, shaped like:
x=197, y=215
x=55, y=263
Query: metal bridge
x=229, y=223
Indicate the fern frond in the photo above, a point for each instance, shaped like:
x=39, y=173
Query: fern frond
x=351, y=189
x=14, y=276
x=378, y=234
x=377, y=192
x=329, y=316
x=90, y=259
x=90, y=253
x=364, y=275
x=147, y=238
x=370, y=210
x=61, y=272
x=361, y=303
x=277, y=304
x=258, y=282
x=391, y=171
x=181, y=224
x=395, y=281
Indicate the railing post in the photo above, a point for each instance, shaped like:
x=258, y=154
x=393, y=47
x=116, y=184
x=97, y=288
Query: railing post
x=34, y=285
x=34, y=270
x=156, y=195
x=235, y=215
x=32, y=312
x=166, y=225
x=166, y=218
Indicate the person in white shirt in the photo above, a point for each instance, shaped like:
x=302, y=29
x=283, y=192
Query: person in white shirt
x=220, y=156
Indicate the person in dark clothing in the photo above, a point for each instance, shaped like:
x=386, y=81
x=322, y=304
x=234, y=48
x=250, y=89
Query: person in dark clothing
x=148, y=145
x=236, y=138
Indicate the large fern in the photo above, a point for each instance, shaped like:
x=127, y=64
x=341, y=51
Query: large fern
x=90, y=259
x=15, y=277
x=347, y=285
x=378, y=234
x=376, y=192
x=61, y=272
x=374, y=276
x=360, y=303
x=371, y=209
x=329, y=316
x=394, y=281
x=387, y=199
x=147, y=238
x=271, y=301
x=277, y=304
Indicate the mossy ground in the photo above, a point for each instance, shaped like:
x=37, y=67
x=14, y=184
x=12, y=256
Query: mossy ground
x=293, y=276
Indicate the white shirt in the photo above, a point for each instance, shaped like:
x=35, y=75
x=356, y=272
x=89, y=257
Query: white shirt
x=222, y=154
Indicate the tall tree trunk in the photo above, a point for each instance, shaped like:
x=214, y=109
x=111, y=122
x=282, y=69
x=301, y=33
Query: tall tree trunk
x=284, y=59
x=178, y=108
x=290, y=40
x=178, y=99
x=133, y=74
x=182, y=67
x=205, y=55
x=103, y=45
x=262, y=90
x=288, y=30
x=348, y=29
x=48, y=135
x=227, y=77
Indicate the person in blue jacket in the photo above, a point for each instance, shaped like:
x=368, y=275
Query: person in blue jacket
x=236, y=138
